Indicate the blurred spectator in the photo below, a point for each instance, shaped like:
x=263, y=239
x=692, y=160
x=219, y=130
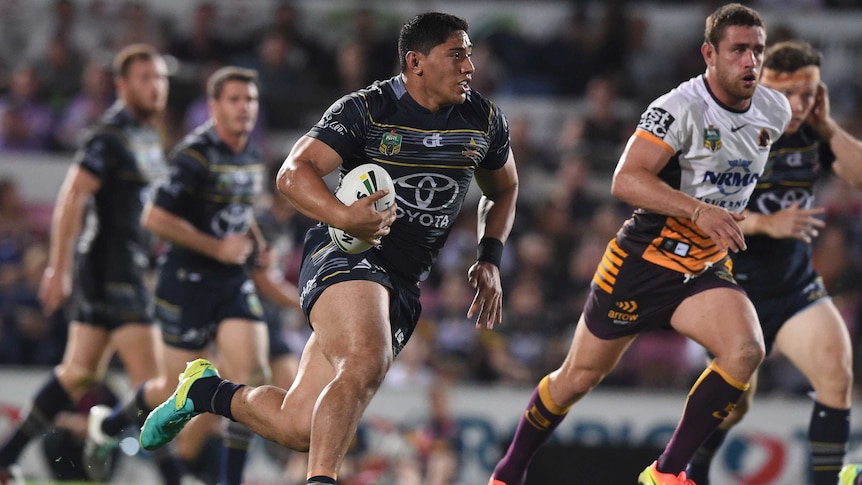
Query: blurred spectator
x=438, y=441
x=574, y=45
x=201, y=44
x=16, y=232
x=29, y=337
x=59, y=73
x=350, y=69
x=600, y=132
x=136, y=25
x=25, y=123
x=536, y=164
x=660, y=359
x=377, y=48
x=287, y=21
x=96, y=95
x=285, y=88
x=61, y=21
x=573, y=187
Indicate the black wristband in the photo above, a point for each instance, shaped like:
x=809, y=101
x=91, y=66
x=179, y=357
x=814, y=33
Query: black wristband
x=490, y=251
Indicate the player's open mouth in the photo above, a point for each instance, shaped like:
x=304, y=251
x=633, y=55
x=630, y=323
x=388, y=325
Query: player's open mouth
x=465, y=85
x=749, y=80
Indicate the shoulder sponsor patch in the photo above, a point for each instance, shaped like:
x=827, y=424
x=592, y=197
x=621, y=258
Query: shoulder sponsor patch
x=657, y=121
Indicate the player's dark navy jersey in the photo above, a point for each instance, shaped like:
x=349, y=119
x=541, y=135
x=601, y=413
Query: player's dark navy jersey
x=127, y=158
x=771, y=266
x=212, y=188
x=430, y=156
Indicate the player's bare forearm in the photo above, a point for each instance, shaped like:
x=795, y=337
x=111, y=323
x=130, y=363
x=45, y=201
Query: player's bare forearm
x=498, y=202
x=177, y=230
x=848, y=156
x=282, y=294
x=68, y=216
x=641, y=188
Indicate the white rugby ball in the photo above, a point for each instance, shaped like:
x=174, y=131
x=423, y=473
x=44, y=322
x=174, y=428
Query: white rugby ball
x=356, y=184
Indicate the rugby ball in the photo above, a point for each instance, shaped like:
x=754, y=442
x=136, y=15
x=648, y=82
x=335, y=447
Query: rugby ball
x=356, y=184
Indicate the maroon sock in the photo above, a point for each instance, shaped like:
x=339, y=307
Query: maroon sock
x=538, y=422
x=711, y=398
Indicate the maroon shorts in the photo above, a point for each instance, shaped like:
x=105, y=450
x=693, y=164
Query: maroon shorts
x=629, y=295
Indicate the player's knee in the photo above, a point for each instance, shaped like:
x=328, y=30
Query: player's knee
x=76, y=379
x=833, y=386
x=576, y=383
x=751, y=354
x=367, y=373
x=257, y=375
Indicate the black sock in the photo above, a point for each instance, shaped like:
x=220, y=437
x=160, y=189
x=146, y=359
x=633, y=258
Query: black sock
x=170, y=467
x=828, y=434
x=321, y=479
x=236, y=441
x=132, y=409
x=698, y=468
x=49, y=400
x=213, y=395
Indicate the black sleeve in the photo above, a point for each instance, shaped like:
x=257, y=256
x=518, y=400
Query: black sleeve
x=188, y=172
x=100, y=154
x=498, y=151
x=343, y=126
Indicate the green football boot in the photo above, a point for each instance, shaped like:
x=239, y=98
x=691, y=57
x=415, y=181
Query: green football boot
x=165, y=422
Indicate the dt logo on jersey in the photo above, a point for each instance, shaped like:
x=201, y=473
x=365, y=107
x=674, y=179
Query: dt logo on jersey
x=390, y=144
x=711, y=138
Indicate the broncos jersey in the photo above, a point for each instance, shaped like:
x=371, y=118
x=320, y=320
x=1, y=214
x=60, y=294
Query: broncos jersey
x=212, y=188
x=796, y=162
x=431, y=158
x=717, y=156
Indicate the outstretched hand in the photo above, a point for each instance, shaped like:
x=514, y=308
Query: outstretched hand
x=487, y=305
x=794, y=223
x=721, y=226
x=54, y=289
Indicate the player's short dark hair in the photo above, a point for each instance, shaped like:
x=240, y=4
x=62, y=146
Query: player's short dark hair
x=425, y=31
x=217, y=80
x=730, y=15
x=131, y=53
x=791, y=55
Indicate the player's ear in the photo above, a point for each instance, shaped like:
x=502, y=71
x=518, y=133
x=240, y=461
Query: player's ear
x=413, y=62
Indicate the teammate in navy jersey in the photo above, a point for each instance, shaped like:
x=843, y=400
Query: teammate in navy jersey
x=100, y=254
x=203, y=292
x=689, y=168
x=434, y=135
x=796, y=314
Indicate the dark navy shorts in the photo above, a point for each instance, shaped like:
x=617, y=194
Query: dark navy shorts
x=190, y=305
x=324, y=265
x=108, y=298
x=774, y=310
x=644, y=295
x=278, y=346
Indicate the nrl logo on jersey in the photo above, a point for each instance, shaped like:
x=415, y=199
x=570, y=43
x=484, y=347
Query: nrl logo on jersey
x=390, y=144
x=711, y=138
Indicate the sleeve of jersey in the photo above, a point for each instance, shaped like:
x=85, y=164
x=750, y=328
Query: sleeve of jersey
x=188, y=169
x=498, y=151
x=343, y=126
x=661, y=124
x=98, y=155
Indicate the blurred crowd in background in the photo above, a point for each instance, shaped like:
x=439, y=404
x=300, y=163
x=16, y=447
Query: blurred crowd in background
x=55, y=81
